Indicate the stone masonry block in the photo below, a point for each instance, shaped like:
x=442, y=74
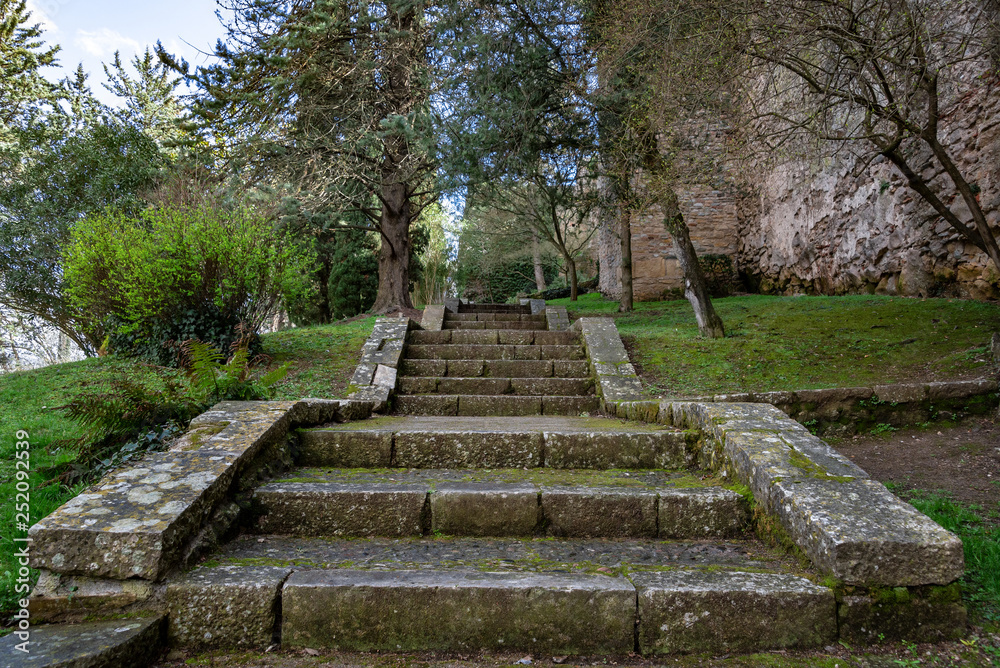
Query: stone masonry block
x=432, y=449
x=484, y=509
x=225, y=606
x=341, y=509
x=346, y=449
x=702, y=513
x=599, y=512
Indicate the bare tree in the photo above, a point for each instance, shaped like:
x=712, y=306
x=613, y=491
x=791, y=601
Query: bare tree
x=876, y=78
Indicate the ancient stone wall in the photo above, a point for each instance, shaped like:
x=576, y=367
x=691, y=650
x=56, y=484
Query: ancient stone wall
x=830, y=225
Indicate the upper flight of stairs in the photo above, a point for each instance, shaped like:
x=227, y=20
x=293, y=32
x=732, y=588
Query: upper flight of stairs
x=494, y=360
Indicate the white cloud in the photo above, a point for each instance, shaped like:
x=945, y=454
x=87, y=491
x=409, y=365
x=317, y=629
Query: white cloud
x=104, y=42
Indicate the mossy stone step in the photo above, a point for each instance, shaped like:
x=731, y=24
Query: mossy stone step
x=495, y=442
x=516, y=386
x=512, y=503
x=558, y=596
x=493, y=352
x=494, y=317
x=521, y=337
x=492, y=324
x=496, y=368
x=493, y=405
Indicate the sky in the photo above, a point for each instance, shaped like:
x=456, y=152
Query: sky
x=90, y=31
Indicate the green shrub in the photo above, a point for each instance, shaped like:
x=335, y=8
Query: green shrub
x=178, y=273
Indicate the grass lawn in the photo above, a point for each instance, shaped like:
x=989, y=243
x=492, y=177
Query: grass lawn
x=322, y=359
x=789, y=343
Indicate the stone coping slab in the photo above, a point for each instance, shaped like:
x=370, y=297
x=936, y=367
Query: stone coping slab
x=138, y=522
x=616, y=377
x=850, y=526
x=374, y=379
x=105, y=644
x=369, y=610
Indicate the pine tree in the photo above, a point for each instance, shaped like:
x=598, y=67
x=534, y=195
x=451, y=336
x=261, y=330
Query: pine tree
x=151, y=103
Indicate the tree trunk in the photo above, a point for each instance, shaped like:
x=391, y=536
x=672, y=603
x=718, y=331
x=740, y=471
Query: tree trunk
x=536, y=258
x=394, y=255
x=625, y=232
x=695, y=286
x=574, y=289
x=323, y=276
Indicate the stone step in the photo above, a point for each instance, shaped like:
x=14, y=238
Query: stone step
x=498, y=386
x=494, y=352
x=496, y=368
x=494, y=308
x=579, y=504
x=494, y=317
x=493, y=405
x=546, y=596
x=492, y=324
x=493, y=337
x=476, y=442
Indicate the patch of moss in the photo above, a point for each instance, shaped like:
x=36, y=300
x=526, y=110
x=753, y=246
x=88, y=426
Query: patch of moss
x=814, y=470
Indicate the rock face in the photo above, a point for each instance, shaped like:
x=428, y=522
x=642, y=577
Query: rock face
x=825, y=227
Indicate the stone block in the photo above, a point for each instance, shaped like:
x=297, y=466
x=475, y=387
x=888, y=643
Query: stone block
x=473, y=449
x=570, y=368
x=310, y=411
x=901, y=393
x=135, y=522
x=600, y=336
x=433, y=318
x=603, y=450
x=960, y=389
x=385, y=376
x=527, y=353
x=106, y=644
x=507, y=405
x=551, y=386
x=731, y=612
x=570, y=405
x=473, y=386
x=418, y=384
x=225, y=606
x=429, y=338
x=484, y=509
x=560, y=352
x=476, y=337
x=426, y=404
x=514, y=337
x=345, y=449
x=520, y=368
x=709, y=512
x=433, y=610
x=862, y=534
x=599, y=512
x=423, y=367
x=73, y=598
x=242, y=428
x=465, y=368
x=341, y=509
x=619, y=388
x=557, y=339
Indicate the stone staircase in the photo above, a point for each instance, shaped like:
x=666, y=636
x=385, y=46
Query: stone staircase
x=495, y=360
x=489, y=514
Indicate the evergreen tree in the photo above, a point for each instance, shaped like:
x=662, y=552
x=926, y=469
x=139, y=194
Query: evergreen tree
x=151, y=103
x=328, y=101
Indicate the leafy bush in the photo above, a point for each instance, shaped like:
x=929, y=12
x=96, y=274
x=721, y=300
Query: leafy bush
x=178, y=273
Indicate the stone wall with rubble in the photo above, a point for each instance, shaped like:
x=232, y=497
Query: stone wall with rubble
x=826, y=226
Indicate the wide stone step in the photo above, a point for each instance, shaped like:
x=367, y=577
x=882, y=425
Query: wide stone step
x=547, y=596
x=492, y=324
x=497, y=368
x=581, y=504
x=494, y=308
x=494, y=317
x=493, y=405
x=467, y=442
x=498, y=386
x=496, y=352
x=493, y=337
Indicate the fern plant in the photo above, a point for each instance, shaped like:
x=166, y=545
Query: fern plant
x=214, y=378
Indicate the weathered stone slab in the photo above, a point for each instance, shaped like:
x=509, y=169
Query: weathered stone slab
x=451, y=324
x=472, y=449
x=341, y=509
x=418, y=385
x=135, y=522
x=345, y=449
x=641, y=411
x=570, y=405
x=423, y=367
x=515, y=337
x=461, y=352
x=424, y=610
x=385, y=376
x=433, y=318
x=466, y=368
x=225, y=606
x=551, y=386
x=476, y=337
x=960, y=389
x=557, y=339
x=901, y=393
x=603, y=450
x=616, y=377
x=527, y=353
x=239, y=427
x=451, y=385
x=499, y=405
x=520, y=368
x=432, y=337
x=599, y=512
x=570, y=368
x=724, y=611
x=708, y=512
x=863, y=534
x=484, y=509
x=108, y=644
x=73, y=598
x=558, y=352
x=312, y=411
x=444, y=404
x=556, y=318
